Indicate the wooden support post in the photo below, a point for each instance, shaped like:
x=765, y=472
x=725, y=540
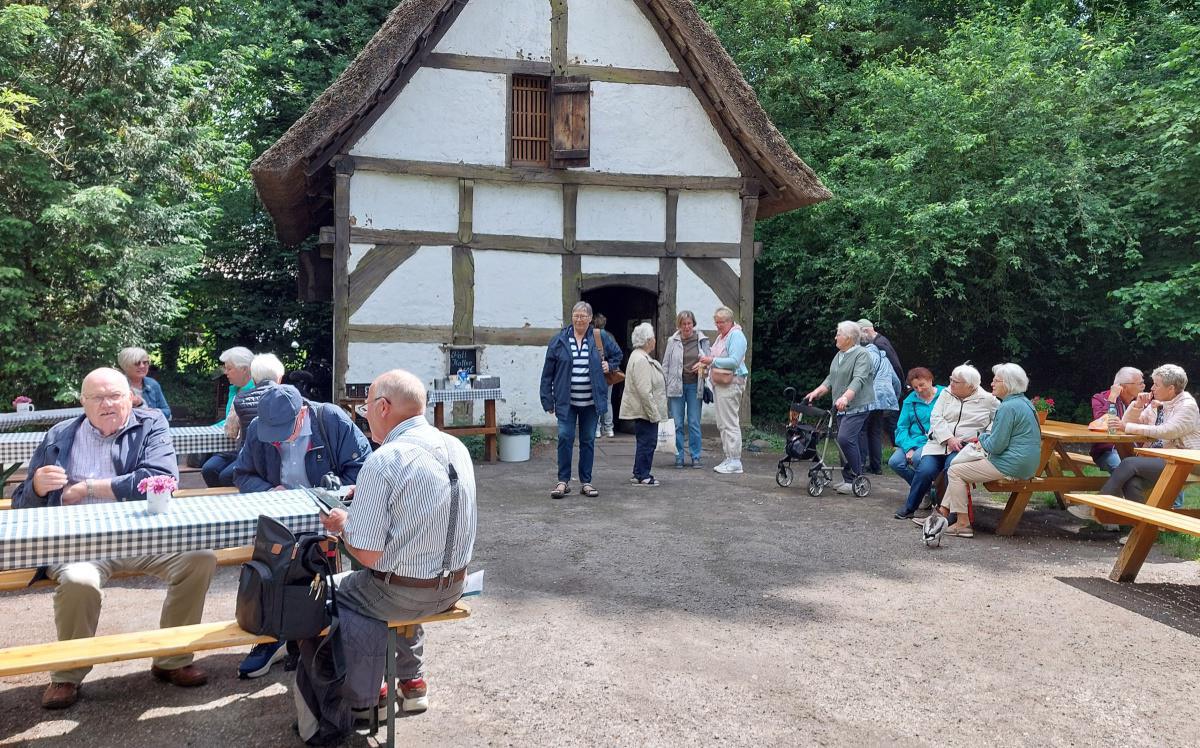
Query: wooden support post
x=571, y=275
x=463, y=271
x=668, y=285
x=558, y=36
x=570, y=197
x=466, y=208
x=344, y=169
x=746, y=285
x=672, y=221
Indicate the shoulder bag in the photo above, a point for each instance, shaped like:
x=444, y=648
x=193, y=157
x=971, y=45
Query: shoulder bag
x=612, y=376
x=282, y=589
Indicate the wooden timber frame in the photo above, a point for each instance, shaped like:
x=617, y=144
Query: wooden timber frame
x=393, y=247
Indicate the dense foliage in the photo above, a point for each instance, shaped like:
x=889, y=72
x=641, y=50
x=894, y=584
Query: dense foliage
x=1012, y=180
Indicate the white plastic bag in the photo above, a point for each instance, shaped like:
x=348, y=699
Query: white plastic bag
x=666, y=434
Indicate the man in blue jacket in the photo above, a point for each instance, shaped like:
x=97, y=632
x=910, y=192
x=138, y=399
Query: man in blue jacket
x=574, y=391
x=101, y=457
x=294, y=443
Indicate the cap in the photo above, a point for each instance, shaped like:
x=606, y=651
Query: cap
x=864, y=322
x=277, y=411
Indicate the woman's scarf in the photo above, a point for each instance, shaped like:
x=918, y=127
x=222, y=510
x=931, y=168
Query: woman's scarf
x=719, y=349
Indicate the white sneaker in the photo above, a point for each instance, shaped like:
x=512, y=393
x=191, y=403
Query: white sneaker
x=844, y=488
x=1082, y=511
x=1123, y=539
x=721, y=467
x=729, y=467
x=609, y=433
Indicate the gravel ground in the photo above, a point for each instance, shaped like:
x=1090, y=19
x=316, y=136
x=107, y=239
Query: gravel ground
x=715, y=609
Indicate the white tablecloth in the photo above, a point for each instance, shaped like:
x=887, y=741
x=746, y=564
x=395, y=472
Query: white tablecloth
x=187, y=440
x=10, y=421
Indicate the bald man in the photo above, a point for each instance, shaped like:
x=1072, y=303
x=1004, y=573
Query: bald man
x=101, y=457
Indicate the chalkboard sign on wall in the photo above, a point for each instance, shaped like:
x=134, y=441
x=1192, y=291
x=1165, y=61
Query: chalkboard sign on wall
x=464, y=358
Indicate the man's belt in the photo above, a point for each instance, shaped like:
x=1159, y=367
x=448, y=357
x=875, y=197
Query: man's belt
x=399, y=581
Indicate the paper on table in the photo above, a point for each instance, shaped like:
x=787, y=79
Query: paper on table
x=474, y=584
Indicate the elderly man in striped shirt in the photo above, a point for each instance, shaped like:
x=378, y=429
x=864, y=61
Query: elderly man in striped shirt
x=412, y=522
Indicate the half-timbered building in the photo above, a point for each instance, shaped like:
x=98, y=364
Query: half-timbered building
x=484, y=164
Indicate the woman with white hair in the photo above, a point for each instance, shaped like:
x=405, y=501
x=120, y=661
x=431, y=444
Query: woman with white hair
x=850, y=380
x=961, y=412
x=1127, y=385
x=218, y=469
x=1011, y=448
x=266, y=371
x=727, y=371
x=1166, y=413
x=644, y=402
x=147, y=393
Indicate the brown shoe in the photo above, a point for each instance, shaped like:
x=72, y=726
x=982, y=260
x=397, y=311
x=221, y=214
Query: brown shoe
x=188, y=676
x=60, y=695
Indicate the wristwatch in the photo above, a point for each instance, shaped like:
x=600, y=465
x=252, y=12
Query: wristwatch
x=91, y=491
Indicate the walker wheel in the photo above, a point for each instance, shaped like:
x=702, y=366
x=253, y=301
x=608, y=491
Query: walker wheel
x=861, y=486
x=815, y=488
x=784, y=476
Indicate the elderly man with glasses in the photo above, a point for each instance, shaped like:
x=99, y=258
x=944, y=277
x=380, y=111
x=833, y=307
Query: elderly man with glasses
x=101, y=457
x=294, y=443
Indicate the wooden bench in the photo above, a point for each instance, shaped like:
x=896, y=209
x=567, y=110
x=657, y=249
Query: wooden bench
x=74, y=653
x=1111, y=509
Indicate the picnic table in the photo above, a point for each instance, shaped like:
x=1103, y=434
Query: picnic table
x=12, y=421
x=53, y=535
x=1059, y=470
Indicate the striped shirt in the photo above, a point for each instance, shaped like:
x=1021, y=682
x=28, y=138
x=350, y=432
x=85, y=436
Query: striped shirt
x=91, y=455
x=401, y=503
x=581, y=373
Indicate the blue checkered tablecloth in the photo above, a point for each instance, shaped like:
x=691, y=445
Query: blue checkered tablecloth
x=463, y=395
x=187, y=440
x=62, y=534
x=10, y=421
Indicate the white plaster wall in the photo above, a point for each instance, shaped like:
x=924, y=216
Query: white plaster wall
x=369, y=360
x=442, y=115
x=613, y=32
x=356, y=253
x=520, y=370
x=603, y=265
x=617, y=213
x=517, y=209
x=736, y=264
x=709, y=216
x=515, y=289
x=402, y=201
x=419, y=292
x=642, y=129
x=694, y=294
x=514, y=29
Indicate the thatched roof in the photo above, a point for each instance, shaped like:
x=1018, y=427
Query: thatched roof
x=293, y=176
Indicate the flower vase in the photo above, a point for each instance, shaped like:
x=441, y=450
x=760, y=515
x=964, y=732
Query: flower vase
x=1041, y=416
x=158, y=502
x=24, y=407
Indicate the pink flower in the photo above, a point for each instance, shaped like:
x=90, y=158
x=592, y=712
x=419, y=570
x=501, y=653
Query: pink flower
x=158, y=484
x=20, y=400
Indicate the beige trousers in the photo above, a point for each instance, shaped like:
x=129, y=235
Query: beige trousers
x=77, y=598
x=959, y=476
x=728, y=402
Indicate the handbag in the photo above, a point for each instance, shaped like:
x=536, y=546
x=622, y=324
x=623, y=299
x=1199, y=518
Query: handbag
x=612, y=376
x=722, y=377
x=283, y=587
x=970, y=452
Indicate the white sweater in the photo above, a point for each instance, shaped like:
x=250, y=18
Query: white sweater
x=1180, y=428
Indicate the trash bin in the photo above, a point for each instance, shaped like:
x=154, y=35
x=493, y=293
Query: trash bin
x=514, y=442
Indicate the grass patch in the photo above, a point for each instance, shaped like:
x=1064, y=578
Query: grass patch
x=774, y=439
x=1181, y=544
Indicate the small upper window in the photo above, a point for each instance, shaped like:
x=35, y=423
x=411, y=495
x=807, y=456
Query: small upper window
x=530, y=120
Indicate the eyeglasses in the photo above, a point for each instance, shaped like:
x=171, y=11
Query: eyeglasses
x=581, y=316
x=361, y=408
x=110, y=399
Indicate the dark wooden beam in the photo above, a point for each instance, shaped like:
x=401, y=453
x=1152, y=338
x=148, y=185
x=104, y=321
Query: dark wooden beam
x=571, y=275
x=373, y=269
x=603, y=73
x=720, y=278
x=668, y=291
x=401, y=334
x=570, y=210
x=341, y=277
x=672, y=221
x=538, y=336
x=558, y=36
x=592, y=281
x=536, y=175
x=463, y=271
x=466, y=209
x=746, y=288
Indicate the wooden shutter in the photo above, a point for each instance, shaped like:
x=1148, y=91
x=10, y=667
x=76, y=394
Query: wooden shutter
x=570, y=112
x=530, y=120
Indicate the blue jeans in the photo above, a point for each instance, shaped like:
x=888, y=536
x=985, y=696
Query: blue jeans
x=688, y=405
x=606, y=420
x=927, y=470
x=218, y=469
x=586, y=419
x=850, y=428
x=1107, y=460
x=646, y=434
x=901, y=466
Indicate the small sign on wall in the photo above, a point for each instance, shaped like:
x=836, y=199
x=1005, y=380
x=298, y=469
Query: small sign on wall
x=463, y=359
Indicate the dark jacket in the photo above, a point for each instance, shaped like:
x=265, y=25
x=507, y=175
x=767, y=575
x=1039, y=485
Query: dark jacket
x=258, y=462
x=245, y=405
x=142, y=449
x=882, y=343
x=556, y=373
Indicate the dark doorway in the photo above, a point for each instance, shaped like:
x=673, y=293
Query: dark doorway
x=625, y=307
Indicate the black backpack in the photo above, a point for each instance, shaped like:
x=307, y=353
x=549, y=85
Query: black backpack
x=283, y=588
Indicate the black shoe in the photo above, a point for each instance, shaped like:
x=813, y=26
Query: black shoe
x=904, y=515
x=873, y=471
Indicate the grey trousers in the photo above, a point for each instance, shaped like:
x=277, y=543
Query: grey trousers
x=362, y=593
x=1134, y=478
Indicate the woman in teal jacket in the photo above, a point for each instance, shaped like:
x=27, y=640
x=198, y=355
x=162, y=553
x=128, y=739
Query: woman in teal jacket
x=1012, y=447
x=912, y=429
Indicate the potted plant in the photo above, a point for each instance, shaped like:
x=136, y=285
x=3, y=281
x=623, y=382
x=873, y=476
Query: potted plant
x=1042, y=406
x=22, y=404
x=158, y=490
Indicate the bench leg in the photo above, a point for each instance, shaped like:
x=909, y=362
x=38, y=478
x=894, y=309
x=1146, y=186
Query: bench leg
x=1142, y=538
x=390, y=670
x=1012, y=512
x=489, y=420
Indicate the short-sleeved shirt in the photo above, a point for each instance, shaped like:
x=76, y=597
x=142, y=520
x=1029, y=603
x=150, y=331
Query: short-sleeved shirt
x=402, y=502
x=581, y=373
